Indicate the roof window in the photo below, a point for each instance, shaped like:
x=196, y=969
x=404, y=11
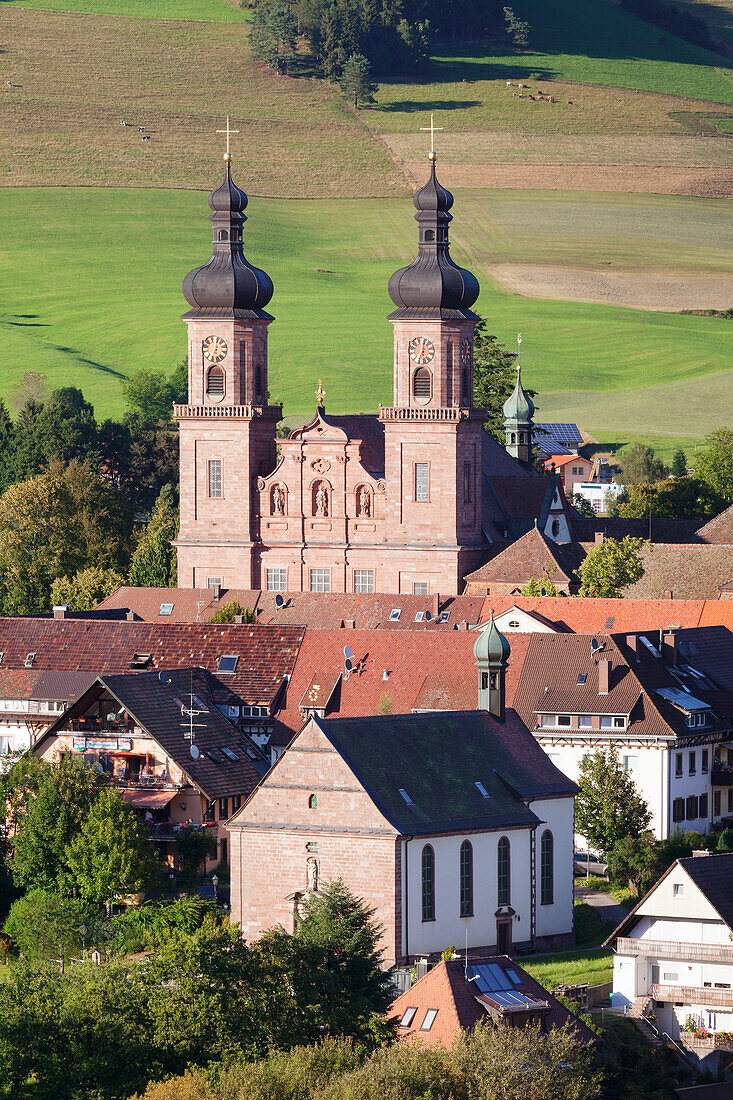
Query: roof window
x=2, y=654
x=444, y=616
x=230, y=755
x=652, y=649
x=166, y=609
x=482, y=790
x=395, y=614
x=215, y=755
x=228, y=663
x=582, y=677
x=140, y=660
x=429, y=1019
x=29, y=659
x=419, y=616
x=407, y=1017
x=406, y=797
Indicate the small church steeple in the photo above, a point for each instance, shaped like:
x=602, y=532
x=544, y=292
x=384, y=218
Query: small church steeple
x=492, y=653
x=518, y=413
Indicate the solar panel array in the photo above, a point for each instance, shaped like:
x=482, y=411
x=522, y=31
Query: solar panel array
x=563, y=433
x=499, y=984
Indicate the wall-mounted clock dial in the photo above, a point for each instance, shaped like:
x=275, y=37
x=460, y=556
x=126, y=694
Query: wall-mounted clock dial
x=421, y=350
x=215, y=348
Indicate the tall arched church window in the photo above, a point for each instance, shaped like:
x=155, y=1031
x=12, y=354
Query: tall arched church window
x=258, y=381
x=466, y=879
x=422, y=384
x=547, y=868
x=464, y=386
x=428, y=883
x=215, y=382
x=503, y=872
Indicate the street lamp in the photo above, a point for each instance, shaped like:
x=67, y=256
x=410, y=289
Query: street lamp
x=83, y=931
x=215, y=883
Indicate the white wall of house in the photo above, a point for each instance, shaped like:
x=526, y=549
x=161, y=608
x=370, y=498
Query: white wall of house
x=14, y=735
x=516, y=621
x=557, y=815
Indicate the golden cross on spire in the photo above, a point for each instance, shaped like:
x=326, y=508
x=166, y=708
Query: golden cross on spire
x=227, y=155
x=519, y=352
x=320, y=394
x=432, y=129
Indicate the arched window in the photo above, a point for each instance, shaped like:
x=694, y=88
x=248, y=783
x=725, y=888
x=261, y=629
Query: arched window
x=258, y=381
x=223, y=235
x=429, y=235
x=514, y=440
x=466, y=875
x=464, y=386
x=215, y=382
x=312, y=802
x=503, y=872
x=547, y=869
x=428, y=883
x=422, y=384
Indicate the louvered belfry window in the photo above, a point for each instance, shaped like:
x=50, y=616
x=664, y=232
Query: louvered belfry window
x=422, y=384
x=215, y=382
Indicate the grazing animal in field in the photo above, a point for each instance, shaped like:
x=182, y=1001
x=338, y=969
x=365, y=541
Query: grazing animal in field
x=141, y=129
x=146, y=137
x=570, y=103
x=508, y=83
x=123, y=123
x=515, y=94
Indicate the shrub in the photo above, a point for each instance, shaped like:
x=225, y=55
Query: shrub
x=191, y=1086
x=299, y=1074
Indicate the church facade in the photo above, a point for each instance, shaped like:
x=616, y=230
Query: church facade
x=407, y=500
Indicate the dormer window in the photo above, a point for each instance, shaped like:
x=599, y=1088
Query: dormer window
x=29, y=660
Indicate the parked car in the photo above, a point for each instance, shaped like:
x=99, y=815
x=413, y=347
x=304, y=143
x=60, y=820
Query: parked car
x=587, y=863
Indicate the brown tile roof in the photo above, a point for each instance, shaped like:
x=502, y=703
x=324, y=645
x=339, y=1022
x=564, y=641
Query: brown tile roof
x=588, y=615
x=190, y=605
x=663, y=530
x=719, y=528
x=445, y=988
x=266, y=653
x=531, y=556
x=690, y=572
x=425, y=671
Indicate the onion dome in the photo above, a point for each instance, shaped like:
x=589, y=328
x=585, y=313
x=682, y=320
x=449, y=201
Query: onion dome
x=518, y=408
x=432, y=285
x=227, y=286
x=491, y=645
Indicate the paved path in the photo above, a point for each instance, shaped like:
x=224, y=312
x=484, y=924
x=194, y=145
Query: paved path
x=609, y=909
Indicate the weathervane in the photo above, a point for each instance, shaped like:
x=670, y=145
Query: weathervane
x=432, y=129
x=227, y=155
x=320, y=394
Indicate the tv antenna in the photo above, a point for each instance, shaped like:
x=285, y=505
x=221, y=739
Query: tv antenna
x=190, y=712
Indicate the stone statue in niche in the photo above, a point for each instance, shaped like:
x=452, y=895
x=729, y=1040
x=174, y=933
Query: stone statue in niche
x=311, y=874
x=364, y=504
x=278, y=501
x=321, y=500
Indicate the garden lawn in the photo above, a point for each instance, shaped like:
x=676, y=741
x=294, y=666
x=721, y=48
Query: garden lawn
x=102, y=298
x=591, y=965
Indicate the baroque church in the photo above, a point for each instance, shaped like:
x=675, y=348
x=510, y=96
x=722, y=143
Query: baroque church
x=407, y=500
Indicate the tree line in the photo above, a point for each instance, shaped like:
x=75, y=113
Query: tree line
x=77, y=494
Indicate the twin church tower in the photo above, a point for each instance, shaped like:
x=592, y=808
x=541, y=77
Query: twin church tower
x=390, y=502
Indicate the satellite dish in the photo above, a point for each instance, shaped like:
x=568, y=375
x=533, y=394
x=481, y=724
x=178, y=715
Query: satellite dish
x=349, y=665
x=594, y=644
x=279, y=601
x=347, y=652
x=428, y=616
x=194, y=752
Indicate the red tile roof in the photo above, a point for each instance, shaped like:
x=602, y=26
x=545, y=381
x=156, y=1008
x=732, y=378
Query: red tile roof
x=445, y=988
x=586, y=615
x=531, y=556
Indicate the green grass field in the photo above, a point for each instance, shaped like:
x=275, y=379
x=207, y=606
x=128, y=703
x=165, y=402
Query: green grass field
x=101, y=297
x=214, y=11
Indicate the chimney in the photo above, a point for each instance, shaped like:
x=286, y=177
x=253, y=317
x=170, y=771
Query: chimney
x=435, y=609
x=604, y=676
x=632, y=641
x=215, y=593
x=669, y=594
x=599, y=536
x=131, y=616
x=239, y=620
x=669, y=646
x=59, y=610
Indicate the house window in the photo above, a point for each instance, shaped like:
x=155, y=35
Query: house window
x=703, y=806
x=730, y=800
x=428, y=883
x=422, y=482
x=236, y=802
x=716, y=803
x=503, y=872
x=678, y=890
x=484, y=681
x=704, y=765
x=692, y=813
x=215, y=478
x=363, y=580
x=563, y=719
x=258, y=381
x=277, y=580
x=585, y=721
x=213, y=582
x=312, y=802
x=678, y=766
x=215, y=382
x=422, y=385
x=670, y=976
x=466, y=879
x=678, y=809
x=320, y=580
x=420, y=588
x=630, y=763
x=222, y=808
x=691, y=762
x=466, y=482
x=547, y=875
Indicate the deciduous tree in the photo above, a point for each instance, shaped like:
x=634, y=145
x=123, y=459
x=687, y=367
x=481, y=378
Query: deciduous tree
x=714, y=465
x=635, y=861
x=611, y=567
x=640, y=463
x=44, y=924
x=149, y=395
x=609, y=807
x=87, y=588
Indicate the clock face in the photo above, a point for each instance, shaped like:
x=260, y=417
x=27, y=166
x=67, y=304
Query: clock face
x=466, y=352
x=421, y=350
x=215, y=348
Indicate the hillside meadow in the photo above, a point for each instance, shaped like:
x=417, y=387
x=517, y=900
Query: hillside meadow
x=102, y=297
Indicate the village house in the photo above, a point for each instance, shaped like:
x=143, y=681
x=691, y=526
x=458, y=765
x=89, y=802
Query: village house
x=673, y=959
x=455, y=995
x=160, y=740
x=454, y=826
x=664, y=701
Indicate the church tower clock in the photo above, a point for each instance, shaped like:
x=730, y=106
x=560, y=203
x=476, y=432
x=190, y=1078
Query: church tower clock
x=227, y=428
x=433, y=433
